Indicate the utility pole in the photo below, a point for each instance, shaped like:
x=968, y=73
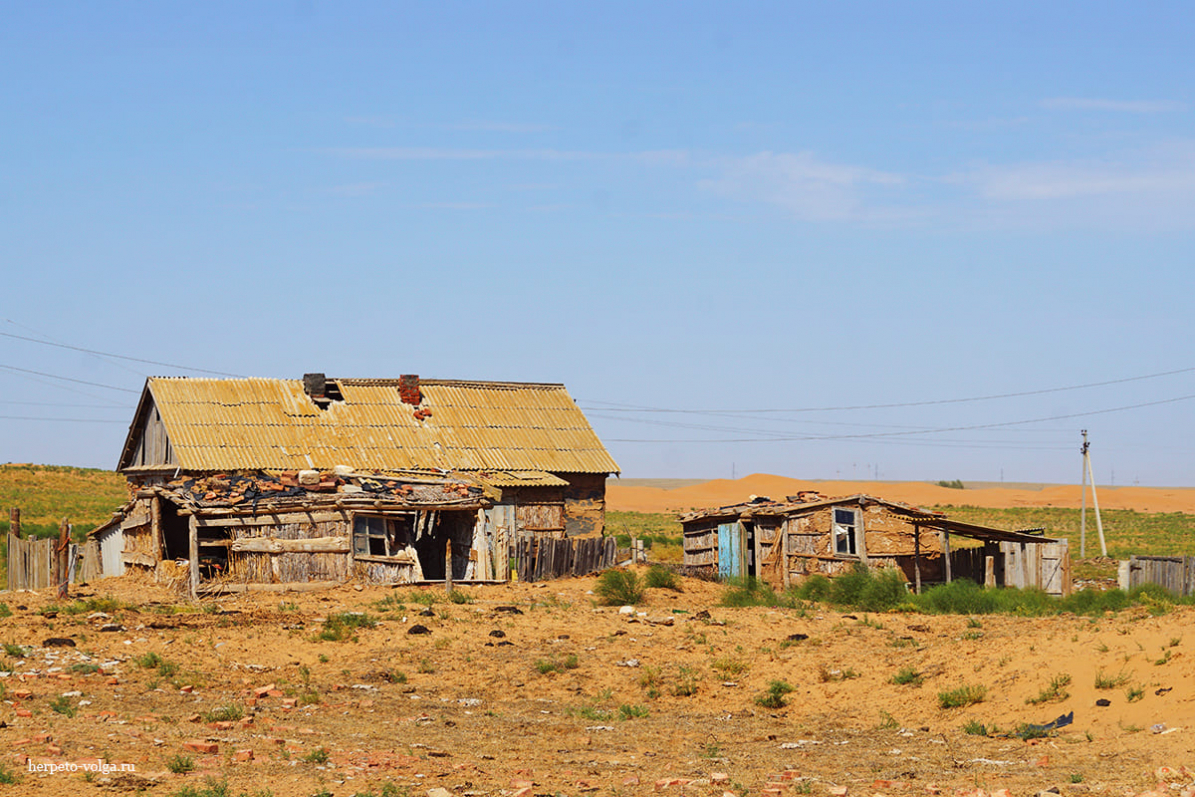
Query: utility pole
x=1088, y=473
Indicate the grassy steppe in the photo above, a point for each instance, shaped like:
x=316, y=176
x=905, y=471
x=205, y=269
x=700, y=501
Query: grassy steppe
x=46, y=494
x=1127, y=532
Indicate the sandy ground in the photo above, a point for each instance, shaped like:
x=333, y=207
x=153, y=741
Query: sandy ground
x=460, y=709
x=722, y=492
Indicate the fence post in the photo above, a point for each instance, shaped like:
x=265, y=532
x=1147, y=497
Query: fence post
x=62, y=559
x=14, y=522
x=448, y=564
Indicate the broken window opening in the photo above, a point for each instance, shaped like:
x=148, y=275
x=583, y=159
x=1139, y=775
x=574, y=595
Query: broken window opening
x=383, y=536
x=846, y=532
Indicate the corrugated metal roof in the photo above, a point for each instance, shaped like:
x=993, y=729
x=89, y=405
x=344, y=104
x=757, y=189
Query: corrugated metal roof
x=225, y=424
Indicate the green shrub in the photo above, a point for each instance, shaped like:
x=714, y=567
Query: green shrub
x=963, y=696
x=457, y=596
x=861, y=589
x=7, y=776
x=659, y=577
x=775, y=697
x=180, y=764
x=816, y=588
x=751, y=591
x=4, y=610
x=619, y=588
x=317, y=756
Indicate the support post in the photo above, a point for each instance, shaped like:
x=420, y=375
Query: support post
x=14, y=522
x=1083, y=503
x=62, y=567
x=448, y=564
x=1095, y=503
x=193, y=540
x=917, y=559
x=155, y=526
x=787, y=574
x=989, y=571
x=946, y=552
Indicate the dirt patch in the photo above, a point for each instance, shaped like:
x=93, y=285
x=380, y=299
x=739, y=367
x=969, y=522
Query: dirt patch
x=574, y=698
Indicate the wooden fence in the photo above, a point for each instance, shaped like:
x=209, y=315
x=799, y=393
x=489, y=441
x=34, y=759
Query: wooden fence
x=1175, y=573
x=546, y=558
x=31, y=562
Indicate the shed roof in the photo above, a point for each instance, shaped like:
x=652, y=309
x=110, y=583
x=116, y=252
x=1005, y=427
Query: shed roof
x=272, y=424
x=765, y=507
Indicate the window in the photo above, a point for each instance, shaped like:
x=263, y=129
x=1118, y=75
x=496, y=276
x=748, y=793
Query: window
x=382, y=536
x=846, y=532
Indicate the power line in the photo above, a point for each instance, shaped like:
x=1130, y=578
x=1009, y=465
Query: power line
x=67, y=378
x=120, y=356
x=59, y=420
x=877, y=435
x=613, y=406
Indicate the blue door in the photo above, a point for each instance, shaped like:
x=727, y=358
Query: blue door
x=730, y=550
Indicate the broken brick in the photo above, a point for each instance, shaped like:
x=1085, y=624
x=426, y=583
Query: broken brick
x=199, y=746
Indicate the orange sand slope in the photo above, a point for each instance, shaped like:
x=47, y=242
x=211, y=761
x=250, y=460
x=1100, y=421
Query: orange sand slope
x=721, y=492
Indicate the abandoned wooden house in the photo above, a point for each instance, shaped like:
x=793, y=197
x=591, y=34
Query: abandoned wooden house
x=781, y=542
x=256, y=481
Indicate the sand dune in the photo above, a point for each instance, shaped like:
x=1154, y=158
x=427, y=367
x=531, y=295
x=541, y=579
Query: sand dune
x=721, y=492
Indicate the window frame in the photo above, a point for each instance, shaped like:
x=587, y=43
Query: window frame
x=852, y=533
x=395, y=534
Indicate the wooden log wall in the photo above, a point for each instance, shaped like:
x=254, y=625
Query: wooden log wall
x=318, y=548
x=701, y=546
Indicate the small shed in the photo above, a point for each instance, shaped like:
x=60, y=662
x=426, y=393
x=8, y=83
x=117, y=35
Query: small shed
x=782, y=542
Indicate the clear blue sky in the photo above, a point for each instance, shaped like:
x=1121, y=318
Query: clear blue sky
x=722, y=208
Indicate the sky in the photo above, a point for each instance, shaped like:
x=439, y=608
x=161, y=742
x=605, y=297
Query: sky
x=924, y=240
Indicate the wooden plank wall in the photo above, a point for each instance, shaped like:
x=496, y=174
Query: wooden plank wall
x=547, y=558
x=1175, y=573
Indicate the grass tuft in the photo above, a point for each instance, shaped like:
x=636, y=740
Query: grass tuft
x=1055, y=692
x=963, y=696
x=907, y=676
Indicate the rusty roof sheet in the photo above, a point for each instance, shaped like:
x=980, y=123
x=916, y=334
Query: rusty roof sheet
x=272, y=424
x=520, y=478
